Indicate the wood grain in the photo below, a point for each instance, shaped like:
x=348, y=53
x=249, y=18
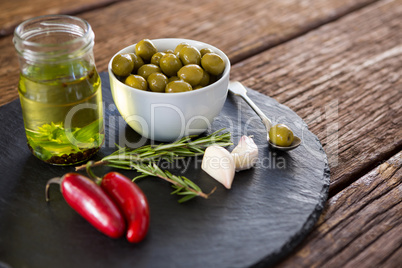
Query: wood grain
x=345, y=80
x=360, y=226
x=338, y=64
x=240, y=29
x=14, y=12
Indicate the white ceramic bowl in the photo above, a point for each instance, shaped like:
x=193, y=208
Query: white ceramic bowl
x=167, y=117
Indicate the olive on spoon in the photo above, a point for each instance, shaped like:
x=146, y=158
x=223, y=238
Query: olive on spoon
x=238, y=89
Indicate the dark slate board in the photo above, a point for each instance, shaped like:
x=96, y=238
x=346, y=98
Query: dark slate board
x=268, y=211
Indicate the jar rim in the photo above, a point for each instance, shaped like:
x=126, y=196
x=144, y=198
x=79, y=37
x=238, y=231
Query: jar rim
x=79, y=30
x=87, y=30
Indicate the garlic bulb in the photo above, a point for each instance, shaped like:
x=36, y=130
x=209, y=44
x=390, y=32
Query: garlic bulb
x=219, y=164
x=245, y=154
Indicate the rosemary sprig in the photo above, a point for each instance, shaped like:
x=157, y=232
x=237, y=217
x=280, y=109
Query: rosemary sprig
x=182, y=185
x=144, y=160
x=123, y=157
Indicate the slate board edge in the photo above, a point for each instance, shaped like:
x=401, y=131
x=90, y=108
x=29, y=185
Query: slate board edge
x=289, y=247
x=294, y=241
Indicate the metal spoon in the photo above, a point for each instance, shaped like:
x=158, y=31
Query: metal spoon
x=238, y=89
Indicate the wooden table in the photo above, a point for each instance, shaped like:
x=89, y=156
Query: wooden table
x=338, y=64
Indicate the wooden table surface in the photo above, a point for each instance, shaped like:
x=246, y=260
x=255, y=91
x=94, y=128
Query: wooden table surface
x=338, y=64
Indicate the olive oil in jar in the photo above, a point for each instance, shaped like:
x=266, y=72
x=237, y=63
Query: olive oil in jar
x=59, y=89
x=62, y=116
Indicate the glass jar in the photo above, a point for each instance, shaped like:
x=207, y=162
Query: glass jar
x=59, y=88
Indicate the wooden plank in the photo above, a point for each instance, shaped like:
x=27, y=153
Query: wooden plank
x=361, y=226
x=240, y=28
x=14, y=12
x=345, y=80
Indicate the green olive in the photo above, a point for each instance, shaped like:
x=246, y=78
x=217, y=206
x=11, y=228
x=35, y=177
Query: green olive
x=138, y=62
x=122, y=64
x=171, y=51
x=205, y=79
x=173, y=78
x=170, y=64
x=191, y=73
x=178, y=86
x=213, y=63
x=145, y=49
x=156, y=58
x=179, y=47
x=136, y=81
x=190, y=55
x=205, y=51
x=281, y=135
x=197, y=87
x=147, y=69
x=157, y=82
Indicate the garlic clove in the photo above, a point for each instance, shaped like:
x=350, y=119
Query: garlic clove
x=219, y=164
x=245, y=154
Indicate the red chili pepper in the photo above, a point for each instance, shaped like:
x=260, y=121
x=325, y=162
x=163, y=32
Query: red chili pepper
x=131, y=201
x=91, y=202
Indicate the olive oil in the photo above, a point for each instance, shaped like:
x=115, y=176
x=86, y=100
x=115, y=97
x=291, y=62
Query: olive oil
x=59, y=88
x=62, y=115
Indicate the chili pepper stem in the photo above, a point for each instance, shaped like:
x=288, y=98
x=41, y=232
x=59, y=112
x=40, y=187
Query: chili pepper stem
x=56, y=180
x=91, y=174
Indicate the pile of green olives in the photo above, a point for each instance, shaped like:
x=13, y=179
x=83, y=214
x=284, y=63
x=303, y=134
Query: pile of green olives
x=183, y=69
